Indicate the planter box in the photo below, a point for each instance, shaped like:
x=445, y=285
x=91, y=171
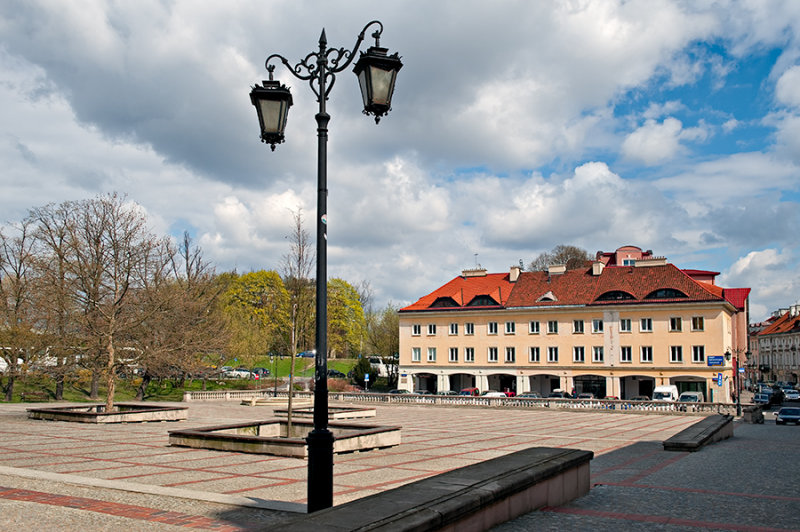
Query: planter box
x=122, y=413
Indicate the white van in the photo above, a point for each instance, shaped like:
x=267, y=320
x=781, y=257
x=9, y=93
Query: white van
x=667, y=392
x=691, y=397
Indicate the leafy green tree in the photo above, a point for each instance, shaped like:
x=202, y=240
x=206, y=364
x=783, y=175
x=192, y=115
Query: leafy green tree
x=361, y=369
x=258, y=315
x=346, y=323
x=384, y=338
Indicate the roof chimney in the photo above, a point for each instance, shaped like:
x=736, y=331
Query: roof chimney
x=514, y=275
x=557, y=269
x=475, y=272
x=597, y=267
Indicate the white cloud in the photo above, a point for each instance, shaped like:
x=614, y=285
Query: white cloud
x=654, y=143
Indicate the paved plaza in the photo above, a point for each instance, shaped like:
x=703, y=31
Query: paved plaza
x=71, y=476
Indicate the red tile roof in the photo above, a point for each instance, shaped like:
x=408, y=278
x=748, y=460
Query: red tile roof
x=462, y=290
x=578, y=287
x=784, y=324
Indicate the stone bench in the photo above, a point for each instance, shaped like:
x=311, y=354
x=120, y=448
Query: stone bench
x=708, y=430
x=34, y=397
x=475, y=497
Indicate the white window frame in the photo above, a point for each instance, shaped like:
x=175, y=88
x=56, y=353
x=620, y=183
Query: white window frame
x=416, y=354
x=511, y=355
x=552, y=353
x=492, y=354
x=646, y=354
x=626, y=354
x=469, y=329
x=552, y=327
x=491, y=328
x=698, y=323
x=598, y=354
x=416, y=329
x=675, y=324
x=431, y=329
x=578, y=354
x=597, y=326
x=452, y=354
x=533, y=327
x=646, y=325
x=676, y=354
x=511, y=327
x=625, y=325
x=453, y=329
x=469, y=354
x=431, y=354
x=698, y=354
x=577, y=326
x=534, y=354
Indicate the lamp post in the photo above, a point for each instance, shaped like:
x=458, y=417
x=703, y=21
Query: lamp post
x=736, y=380
x=376, y=71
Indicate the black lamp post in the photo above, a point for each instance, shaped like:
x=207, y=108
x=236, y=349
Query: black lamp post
x=736, y=381
x=376, y=73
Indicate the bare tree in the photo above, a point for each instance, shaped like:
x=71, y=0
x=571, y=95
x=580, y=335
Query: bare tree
x=113, y=253
x=19, y=339
x=572, y=256
x=384, y=339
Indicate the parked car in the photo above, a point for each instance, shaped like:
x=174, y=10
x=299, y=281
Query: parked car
x=423, y=392
x=469, y=391
x=493, y=393
x=447, y=392
x=691, y=397
x=559, y=394
x=531, y=395
x=788, y=414
x=586, y=395
x=761, y=398
x=307, y=354
x=398, y=391
x=667, y=392
x=639, y=398
x=336, y=374
x=237, y=373
x=791, y=395
x=261, y=372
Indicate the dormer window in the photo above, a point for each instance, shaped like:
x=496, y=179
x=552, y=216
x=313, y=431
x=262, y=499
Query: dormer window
x=666, y=293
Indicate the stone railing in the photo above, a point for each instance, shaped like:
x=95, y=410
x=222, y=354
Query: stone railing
x=465, y=400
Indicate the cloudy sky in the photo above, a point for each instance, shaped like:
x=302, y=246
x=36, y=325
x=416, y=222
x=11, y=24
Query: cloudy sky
x=516, y=126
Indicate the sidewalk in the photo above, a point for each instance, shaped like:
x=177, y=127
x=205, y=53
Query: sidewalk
x=65, y=476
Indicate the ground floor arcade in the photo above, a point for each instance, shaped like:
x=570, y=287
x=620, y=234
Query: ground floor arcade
x=715, y=386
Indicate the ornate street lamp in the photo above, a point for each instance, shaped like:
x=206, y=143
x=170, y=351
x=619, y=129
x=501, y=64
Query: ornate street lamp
x=377, y=72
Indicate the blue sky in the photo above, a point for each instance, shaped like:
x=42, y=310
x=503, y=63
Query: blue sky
x=516, y=126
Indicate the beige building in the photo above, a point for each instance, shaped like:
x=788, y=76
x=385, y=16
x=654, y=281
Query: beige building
x=617, y=327
x=778, y=347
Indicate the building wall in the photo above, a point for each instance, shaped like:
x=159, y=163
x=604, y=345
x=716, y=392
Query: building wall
x=521, y=375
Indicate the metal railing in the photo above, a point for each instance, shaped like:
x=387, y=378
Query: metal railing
x=617, y=405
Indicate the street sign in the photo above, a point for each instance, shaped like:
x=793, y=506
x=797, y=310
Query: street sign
x=741, y=370
x=366, y=377
x=716, y=360
x=719, y=379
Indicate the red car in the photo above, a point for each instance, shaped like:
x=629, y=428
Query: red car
x=469, y=391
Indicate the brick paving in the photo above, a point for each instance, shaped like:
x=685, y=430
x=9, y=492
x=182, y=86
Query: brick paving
x=80, y=476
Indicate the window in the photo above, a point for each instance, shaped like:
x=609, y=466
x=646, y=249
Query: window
x=431, y=329
x=577, y=327
x=492, y=354
x=469, y=354
x=511, y=327
x=431, y=354
x=552, y=354
x=416, y=354
x=625, y=354
x=698, y=323
x=646, y=325
x=533, y=354
x=675, y=325
x=597, y=353
x=675, y=353
x=453, y=329
x=625, y=325
x=492, y=327
x=416, y=329
x=698, y=353
x=453, y=355
x=552, y=327
x=511, y=354
x=647, y=353
x=533, y=327
x=578, y=354
x=597, y=326
x=469, y=329
x=628, y=262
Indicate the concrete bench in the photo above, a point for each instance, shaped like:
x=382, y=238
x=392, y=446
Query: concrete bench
x=34, y=397
x=708, y=430
x=475, y=497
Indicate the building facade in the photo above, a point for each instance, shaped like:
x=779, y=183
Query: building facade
x=779, y=347
x=618, y=327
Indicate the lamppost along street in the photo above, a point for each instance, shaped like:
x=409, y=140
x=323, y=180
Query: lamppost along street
x=376, y=71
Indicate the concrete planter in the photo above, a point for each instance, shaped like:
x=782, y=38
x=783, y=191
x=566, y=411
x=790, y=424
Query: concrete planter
x=122, y=413
x=270, y=437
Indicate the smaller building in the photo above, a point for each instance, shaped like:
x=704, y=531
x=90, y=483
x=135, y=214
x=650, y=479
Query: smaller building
x=779, y=347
